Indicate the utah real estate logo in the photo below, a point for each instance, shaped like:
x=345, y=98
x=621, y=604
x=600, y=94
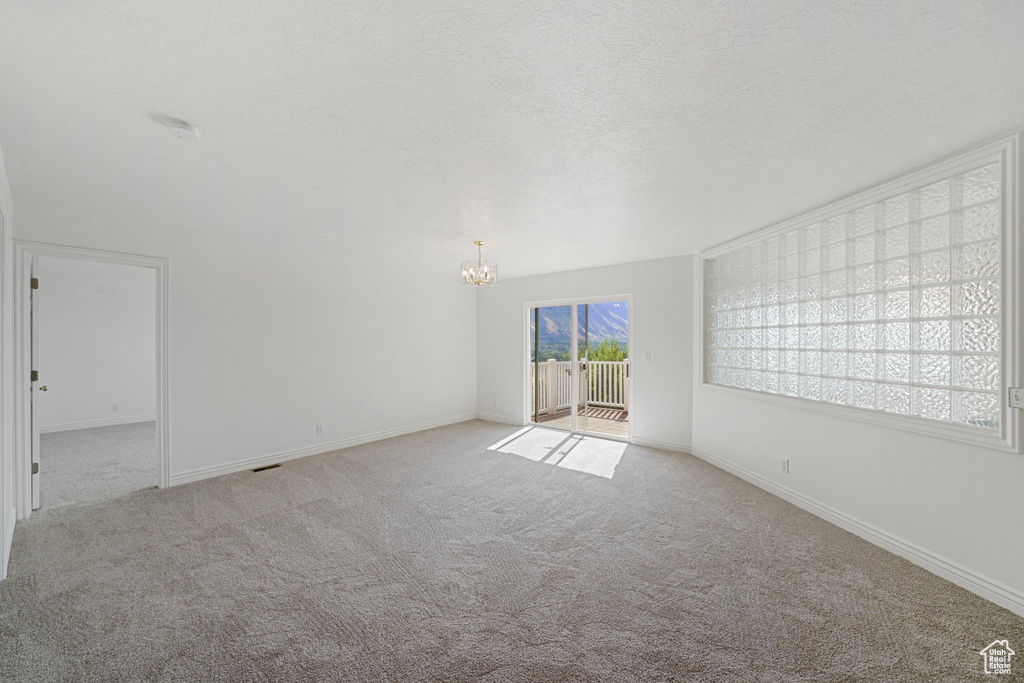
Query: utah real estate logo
x=997, y=657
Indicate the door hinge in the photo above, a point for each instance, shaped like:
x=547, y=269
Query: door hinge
x=1016, y=397
x=35, y=283
x=35, y=375
x=35, y=468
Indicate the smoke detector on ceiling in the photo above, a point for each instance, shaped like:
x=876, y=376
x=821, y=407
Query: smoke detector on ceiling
x=182, y=129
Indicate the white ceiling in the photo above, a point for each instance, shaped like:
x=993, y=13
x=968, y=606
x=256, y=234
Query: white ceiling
x=566, y=133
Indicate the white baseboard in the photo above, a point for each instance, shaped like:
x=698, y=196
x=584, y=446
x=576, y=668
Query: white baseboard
x=89, y=424
x=663, y=445
x=274, y=458
x=8, y=541
x=979, y=584
x=503, y=419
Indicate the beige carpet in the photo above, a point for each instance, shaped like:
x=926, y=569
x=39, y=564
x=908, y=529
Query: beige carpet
x=431, y=557
x=88, y=465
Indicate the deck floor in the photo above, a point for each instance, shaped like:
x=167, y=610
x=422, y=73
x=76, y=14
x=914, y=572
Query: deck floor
x=616, y=425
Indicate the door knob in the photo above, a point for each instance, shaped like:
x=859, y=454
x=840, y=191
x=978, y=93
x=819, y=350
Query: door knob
x=42, y=388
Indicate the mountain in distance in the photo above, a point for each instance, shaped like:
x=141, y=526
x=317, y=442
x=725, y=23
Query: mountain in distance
x=604, y=321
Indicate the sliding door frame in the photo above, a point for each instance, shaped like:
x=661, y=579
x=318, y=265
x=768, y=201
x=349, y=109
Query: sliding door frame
x=526, y=356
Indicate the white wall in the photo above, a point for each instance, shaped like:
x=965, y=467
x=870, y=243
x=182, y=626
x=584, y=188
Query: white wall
x=6, y=371
x=265, y=342
x=952, y=507
x=97, y=343
x=662, y=322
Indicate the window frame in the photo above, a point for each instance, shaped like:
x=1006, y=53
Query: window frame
x=1006, y=151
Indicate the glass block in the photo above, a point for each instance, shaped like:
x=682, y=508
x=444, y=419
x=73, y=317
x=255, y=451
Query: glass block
x=810, y=312
x=863, y=249
x=833, y=363
x=933, y=233
x=810, y=237
x=860, y=394
x=863, y=365
x=863, y=337
x=897, y=305
x=770, y=382
x=770, y=293
x=833, y=390
x=790, y=313
x=932, y=335
x=770, y=249
x=739, y=318
x=770, y=360
x=754, y=296
x=755, y=253
x=863, y=221
x=788, y=384
x=810, y=337
x=862, y=307
x=896, y=273
x=862, y=278
x=834, y=229
x=980, y=184
x=977, y=372
x=933, y=267
x=755, y=317
x=810, y=287
x=896, y=242
x=770, y=315
x=896, y=210
x=790, y=266
x=790, y=242
x=772, y=338
x=894, y=398
x=978, y=298
x=896, y=336
x=810, y=262
x=978, y=260
x=835, y=337
x=977, y=335
x=976, y=409
x=896, y=367
x=933, y=199
x=932, y=369
x=810, y=362
x=790, y=360
x=769, y=271
x=810, y=388
x=835, y=310
x=932, y=302
x=834, y=283
x=789, y=290
x=835, y=256
x=931, y=404
x=980, y=222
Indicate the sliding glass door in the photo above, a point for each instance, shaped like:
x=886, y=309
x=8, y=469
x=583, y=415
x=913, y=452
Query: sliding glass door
x=579, y=367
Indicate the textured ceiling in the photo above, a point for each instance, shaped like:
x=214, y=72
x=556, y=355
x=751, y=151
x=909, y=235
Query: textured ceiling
x=566, y=133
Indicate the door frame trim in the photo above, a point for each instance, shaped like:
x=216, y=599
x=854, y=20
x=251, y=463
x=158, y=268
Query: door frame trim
x=23, y=253
x=525, y=354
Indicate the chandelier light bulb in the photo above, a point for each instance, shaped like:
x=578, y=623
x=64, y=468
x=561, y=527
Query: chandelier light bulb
x=479, y=273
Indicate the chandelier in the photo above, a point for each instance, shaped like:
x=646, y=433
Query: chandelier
x=479, y=273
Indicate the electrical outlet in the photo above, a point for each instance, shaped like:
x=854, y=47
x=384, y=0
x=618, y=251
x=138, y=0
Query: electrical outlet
x=785, y=466
x=319, y=429
x=647, y=356
x=1017, y=397
x=114, y=407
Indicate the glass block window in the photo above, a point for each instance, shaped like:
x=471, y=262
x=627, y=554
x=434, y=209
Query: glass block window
x=892, y=307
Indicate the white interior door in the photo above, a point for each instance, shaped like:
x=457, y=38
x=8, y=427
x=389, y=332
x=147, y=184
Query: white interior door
x=37, y=386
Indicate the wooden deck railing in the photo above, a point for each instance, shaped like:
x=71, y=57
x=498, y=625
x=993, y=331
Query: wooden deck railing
x=604, y=383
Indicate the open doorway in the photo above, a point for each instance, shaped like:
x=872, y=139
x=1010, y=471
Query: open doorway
x=579, y=366
x=94, y=349
x=92, y=367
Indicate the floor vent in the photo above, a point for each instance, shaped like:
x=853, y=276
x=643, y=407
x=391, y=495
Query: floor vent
x=268, y=467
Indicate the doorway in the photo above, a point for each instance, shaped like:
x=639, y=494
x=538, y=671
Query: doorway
x=578, y=373
x=91, y=403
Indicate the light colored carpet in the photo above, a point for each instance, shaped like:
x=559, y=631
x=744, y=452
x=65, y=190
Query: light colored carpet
x=431, y=557
x=87, y=465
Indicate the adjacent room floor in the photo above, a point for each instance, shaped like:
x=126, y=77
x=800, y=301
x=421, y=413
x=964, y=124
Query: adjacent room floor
x=475, y=551
x=89, y=465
